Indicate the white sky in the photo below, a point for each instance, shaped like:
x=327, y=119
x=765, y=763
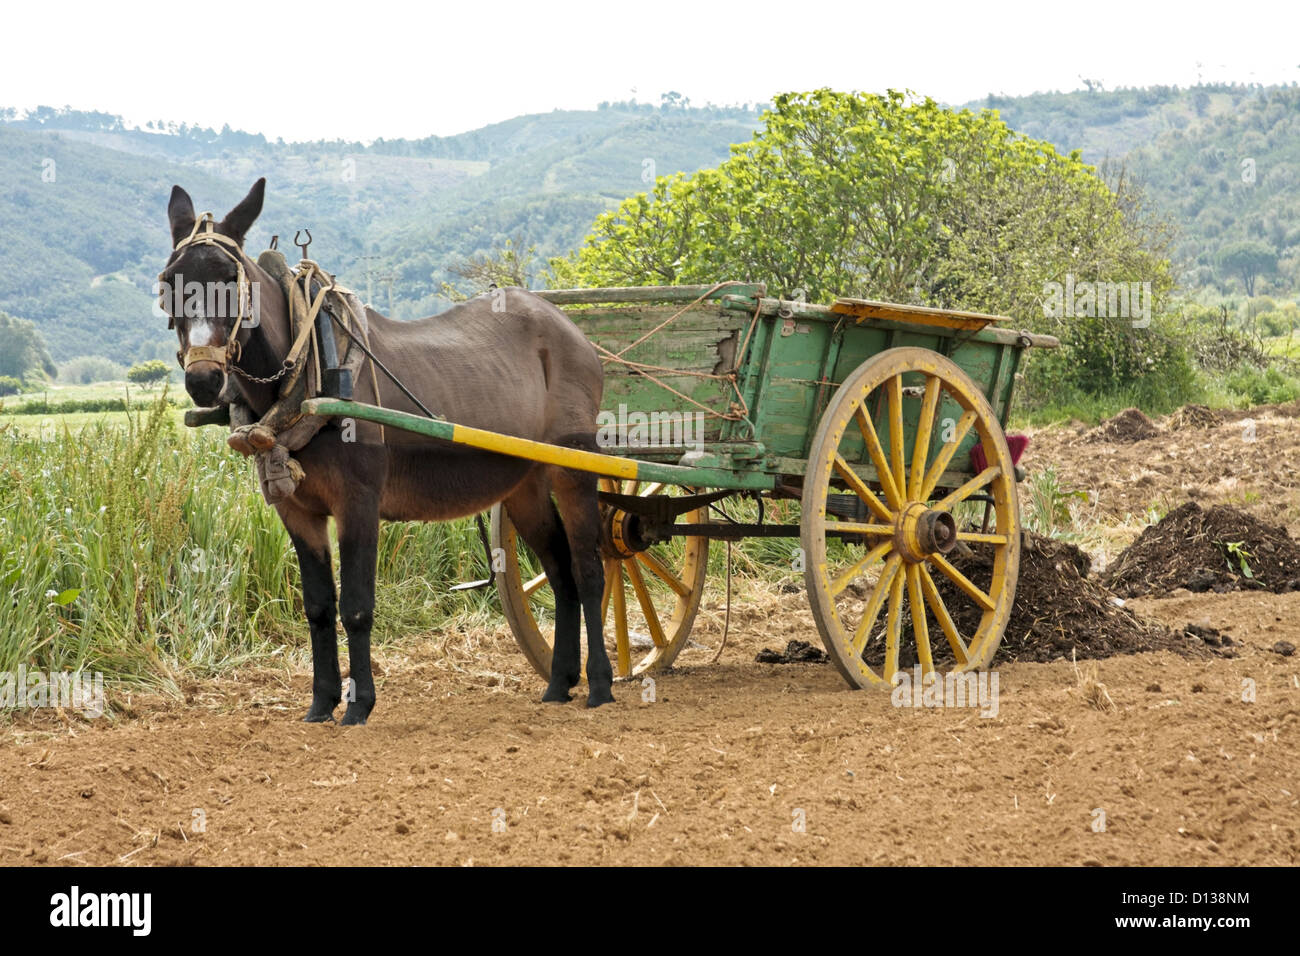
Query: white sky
x=444, y=69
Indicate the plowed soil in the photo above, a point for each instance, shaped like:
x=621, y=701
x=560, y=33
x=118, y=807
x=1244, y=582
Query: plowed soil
x=1059, y=611
x=1190, y=756
x=1250, y=460
x=1220, y=549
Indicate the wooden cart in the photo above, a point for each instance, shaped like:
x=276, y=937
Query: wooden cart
x=884, y=421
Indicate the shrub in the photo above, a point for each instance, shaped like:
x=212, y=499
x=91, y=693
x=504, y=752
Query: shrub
x=1268, y=386
x=74, y=406
x=1275, y=322
x=89, y=369
x=148, y=374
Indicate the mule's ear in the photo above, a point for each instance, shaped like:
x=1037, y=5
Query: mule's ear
x=240, y=219
x=180, y=213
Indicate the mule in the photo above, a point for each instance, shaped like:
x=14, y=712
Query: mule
x=510, y=362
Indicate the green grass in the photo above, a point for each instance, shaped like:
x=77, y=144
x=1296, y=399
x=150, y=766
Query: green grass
x=1046, y=506
x=177, y=563
x=1243, y=387
x=47, y=426
x=80, y=393
x=133, y=546
x=1286, y=346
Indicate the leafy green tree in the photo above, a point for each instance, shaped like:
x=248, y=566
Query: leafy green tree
x=149, y=374
x=22, y=350
x=1248, y=259
x=843, y=194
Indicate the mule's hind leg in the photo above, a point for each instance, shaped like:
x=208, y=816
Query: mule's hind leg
x=311, y=540
x=534, y=516
x=575, y=492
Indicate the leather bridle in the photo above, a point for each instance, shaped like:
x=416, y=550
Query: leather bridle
x=226, y=355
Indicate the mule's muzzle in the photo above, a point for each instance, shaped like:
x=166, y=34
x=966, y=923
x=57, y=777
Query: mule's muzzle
x=204, y=381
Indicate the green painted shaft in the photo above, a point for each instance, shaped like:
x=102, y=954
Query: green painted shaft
x=609, y=465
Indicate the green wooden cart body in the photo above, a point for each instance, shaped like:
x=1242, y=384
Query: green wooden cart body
x=795, y=355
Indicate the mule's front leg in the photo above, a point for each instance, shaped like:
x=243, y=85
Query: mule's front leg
x=318, y=598
x=358, y=547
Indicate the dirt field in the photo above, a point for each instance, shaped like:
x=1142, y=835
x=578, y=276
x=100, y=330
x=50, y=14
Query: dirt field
x=1251, y=459
x=732, y=763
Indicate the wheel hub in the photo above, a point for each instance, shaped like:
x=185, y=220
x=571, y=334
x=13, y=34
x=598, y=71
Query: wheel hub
x=920, y=531
x=620, y=534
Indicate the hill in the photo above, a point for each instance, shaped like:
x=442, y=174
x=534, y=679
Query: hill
x=84, y=200
x=83, y=210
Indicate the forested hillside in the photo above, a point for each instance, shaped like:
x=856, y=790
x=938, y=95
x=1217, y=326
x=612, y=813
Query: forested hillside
x=82, y=222
x=83, y=211
x=1221, y=162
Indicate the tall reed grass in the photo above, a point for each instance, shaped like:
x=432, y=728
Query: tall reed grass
x=145, y=551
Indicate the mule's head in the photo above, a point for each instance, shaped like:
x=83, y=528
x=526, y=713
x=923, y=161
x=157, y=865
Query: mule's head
x=205, y=289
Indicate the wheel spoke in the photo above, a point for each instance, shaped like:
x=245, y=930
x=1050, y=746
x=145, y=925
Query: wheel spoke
x=613, y=578
x=870, y=558
x=647, y=605
x=941, y=614
x=920, y=627
x=620, y=626
x=896, y=433
x=945, y=455
x=968, y=489
x=872, y=440
x=921, y=447
x=963, y=582
x=852, y=527
x=861, y=490
x=975, y=537
x=663, y=574
x=679, y=568
x=893, y=628
x=878, y=596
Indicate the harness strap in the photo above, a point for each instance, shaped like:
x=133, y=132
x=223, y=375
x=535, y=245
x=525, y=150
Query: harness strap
x=300, y=303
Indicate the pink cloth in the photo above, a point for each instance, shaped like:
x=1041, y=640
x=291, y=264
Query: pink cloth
x=1015, y=443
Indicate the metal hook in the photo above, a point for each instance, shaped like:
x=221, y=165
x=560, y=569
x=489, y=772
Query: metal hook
x=302, y=245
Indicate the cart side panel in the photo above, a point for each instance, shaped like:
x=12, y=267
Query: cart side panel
x=796, y=364
x=699, y=342
x=781, y=383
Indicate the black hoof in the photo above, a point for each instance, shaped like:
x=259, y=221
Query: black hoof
x=314, y=717
x=556, y=696
x=356, y=716
x=598, y=697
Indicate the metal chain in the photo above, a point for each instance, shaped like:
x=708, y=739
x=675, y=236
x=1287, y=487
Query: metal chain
x=269, y=379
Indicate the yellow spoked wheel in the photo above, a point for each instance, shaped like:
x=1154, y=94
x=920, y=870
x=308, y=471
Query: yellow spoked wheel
x=652, y=591
x=892, y=522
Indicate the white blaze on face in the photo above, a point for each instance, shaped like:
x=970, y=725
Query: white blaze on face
x=201, y=327
x=200, y=332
